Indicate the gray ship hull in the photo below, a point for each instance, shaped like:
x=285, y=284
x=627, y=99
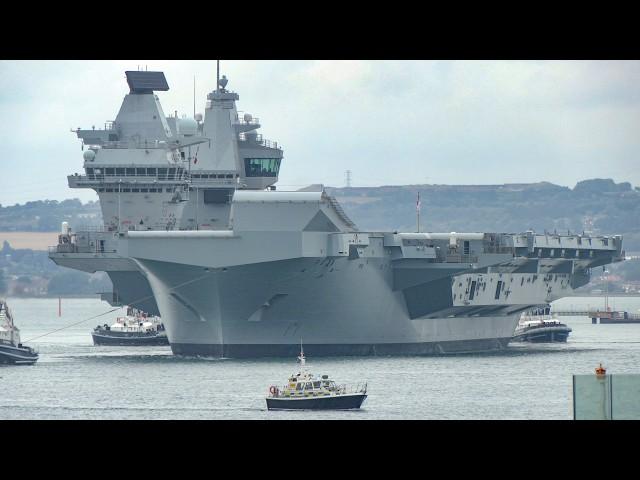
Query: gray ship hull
x=340, y=308
x=124, y=339
x=348, y=350
x=339, y=402
x=543, y=334
x=13, y=355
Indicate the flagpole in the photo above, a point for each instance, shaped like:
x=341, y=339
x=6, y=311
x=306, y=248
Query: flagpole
x=418, y=212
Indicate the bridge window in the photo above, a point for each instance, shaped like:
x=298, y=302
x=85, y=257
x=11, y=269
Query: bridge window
x=109, y=171
x=162, y=173
x=141, y=171
x=261, y=167
x=119, y=171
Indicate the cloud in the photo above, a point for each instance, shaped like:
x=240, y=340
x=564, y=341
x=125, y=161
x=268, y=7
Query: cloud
x=390, y=122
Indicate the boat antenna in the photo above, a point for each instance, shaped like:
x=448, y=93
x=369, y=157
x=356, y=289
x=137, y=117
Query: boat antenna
x=418, y=205
x=301, y=356
x=606, y=289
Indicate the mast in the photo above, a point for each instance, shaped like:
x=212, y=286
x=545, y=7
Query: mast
x=418, y=212
x=9, y=321
x=301, y=356
x=217, y=75
x=606, y=291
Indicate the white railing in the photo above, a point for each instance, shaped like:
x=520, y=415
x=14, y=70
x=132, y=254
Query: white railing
x=102, y=177
x=344, y=389
x=259, y=140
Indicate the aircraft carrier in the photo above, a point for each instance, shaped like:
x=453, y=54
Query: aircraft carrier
x=195, y=231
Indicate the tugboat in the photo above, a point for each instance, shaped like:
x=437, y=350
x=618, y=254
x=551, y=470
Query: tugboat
x=135, y=329
x=11, y=350
x=540, y=326
x=306, y=391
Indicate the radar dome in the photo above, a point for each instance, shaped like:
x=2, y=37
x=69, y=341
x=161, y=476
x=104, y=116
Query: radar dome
x=188, y=126
x=198, y=117
x=248, y=117
x=89, y=156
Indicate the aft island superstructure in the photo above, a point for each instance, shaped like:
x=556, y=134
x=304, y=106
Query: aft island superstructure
x=195, y=231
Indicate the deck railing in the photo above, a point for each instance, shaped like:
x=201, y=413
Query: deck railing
x=343, y=389
x=259, y=140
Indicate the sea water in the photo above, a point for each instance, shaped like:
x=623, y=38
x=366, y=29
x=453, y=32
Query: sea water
x=73, y=379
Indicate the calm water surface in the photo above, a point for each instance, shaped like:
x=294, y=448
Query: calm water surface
x=75, y=380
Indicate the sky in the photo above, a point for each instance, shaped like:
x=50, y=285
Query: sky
x=389, y=122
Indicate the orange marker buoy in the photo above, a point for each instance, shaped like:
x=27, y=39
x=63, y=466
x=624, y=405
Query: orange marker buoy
x=600, y=371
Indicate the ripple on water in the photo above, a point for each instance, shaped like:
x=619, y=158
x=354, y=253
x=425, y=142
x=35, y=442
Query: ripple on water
x=74, y=379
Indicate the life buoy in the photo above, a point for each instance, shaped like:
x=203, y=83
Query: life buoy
x=273, y=390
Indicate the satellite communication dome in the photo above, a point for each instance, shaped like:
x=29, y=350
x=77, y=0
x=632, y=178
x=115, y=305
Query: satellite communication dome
x=247, y=117
x=188, y=126
x=89, y=156
x=223, y=81
x=198, y=117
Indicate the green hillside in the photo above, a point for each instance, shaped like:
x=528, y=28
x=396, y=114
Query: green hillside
x=612, y=208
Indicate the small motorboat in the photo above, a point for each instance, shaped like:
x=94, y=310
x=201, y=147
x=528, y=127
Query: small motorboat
x=540, y=326
x=11, y=350
x=134, y=329
x=306, y=391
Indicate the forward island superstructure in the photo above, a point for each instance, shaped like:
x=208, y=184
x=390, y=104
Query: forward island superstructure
x=196, y=232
